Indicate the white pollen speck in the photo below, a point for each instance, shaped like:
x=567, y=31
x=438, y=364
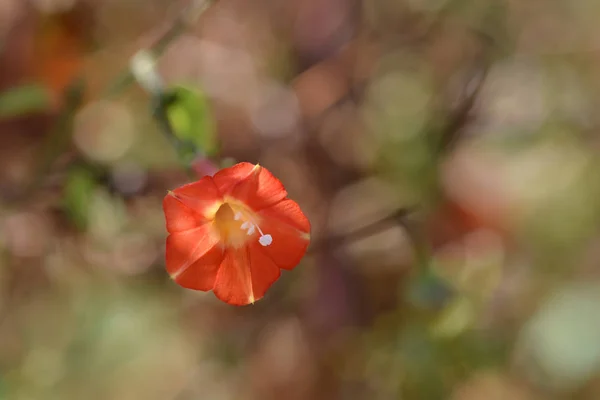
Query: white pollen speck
x=251, y=230
x=238, y=216
x=265, y=240
x=246, y=225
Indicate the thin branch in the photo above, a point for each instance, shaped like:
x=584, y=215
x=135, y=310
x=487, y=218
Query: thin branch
x=186, y=17
x=398, y=217
x=451, y=132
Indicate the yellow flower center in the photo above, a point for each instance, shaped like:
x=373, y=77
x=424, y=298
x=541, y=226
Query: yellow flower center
x=235, y=224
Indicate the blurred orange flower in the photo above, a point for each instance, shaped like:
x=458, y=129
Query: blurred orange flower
x=232, y=233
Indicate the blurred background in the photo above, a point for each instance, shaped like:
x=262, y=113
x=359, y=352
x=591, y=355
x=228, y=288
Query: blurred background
x=445, y=152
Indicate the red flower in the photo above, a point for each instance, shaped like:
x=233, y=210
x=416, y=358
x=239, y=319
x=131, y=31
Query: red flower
x=232, y=233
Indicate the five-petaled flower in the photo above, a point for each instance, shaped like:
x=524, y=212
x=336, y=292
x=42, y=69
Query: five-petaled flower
x=232, y=233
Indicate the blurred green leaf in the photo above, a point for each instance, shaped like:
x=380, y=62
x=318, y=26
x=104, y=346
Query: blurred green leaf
x=398, y=110
x=455, y=318
x=191, y=119
x=106, y=217
x=560, y=342
x=22, y=100
x=429, y=291
x=119, y=336
x=78, y=194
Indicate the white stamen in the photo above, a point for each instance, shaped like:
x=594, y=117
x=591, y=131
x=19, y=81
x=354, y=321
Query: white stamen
x=265, y=240
x=250, y=227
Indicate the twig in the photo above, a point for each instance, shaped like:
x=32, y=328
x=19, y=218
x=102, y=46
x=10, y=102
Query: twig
x=396, y=218
x=450, y=133
x=188, y=15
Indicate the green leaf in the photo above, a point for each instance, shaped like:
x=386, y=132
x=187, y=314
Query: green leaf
x=22, y=100
x=455, y=318
x=78, y=194
x=191, y=118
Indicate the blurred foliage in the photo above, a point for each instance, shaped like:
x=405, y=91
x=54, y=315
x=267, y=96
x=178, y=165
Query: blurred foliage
x=79, y=189
x=191, y=119
x=23, y=100
x=479, y=118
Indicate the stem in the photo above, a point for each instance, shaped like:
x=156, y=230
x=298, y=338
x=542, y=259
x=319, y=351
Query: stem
x=397, y=217
x=186, y=18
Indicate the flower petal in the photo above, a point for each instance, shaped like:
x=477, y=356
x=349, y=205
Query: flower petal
x=227, y=178
x=263, y=270
x=193, y=257
x=200, y=196
x=290, y=230
x=251, y=184
x=202, y=274
x=233, y=284
x=178, y=216
x=244, y=276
